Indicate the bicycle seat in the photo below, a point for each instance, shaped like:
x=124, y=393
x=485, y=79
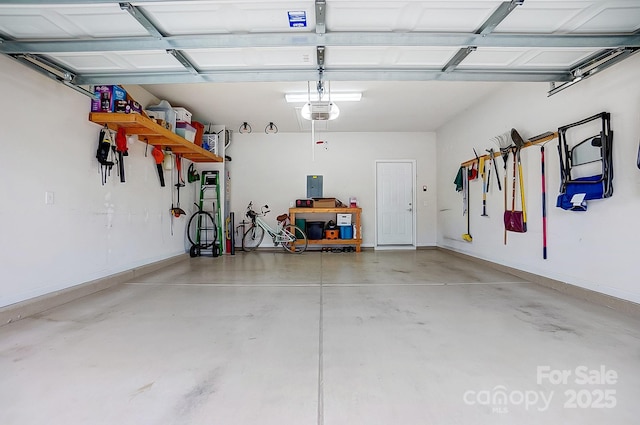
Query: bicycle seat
x=282, y=217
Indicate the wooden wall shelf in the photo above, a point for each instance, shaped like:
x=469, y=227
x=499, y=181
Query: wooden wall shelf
x=542, y=138
x=148, y=130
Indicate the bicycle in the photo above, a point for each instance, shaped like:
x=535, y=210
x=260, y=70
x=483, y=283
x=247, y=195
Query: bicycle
x=202, y=233
x=291, y=237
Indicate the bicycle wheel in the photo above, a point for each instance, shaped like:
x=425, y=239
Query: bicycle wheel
x=202, y=231
x=301, y=242
x=252, y=238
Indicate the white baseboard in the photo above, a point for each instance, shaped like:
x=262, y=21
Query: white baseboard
x=614, y=303
x=36, y=305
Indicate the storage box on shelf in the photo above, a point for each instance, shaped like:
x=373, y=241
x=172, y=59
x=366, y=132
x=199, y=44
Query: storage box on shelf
x=343, y=219
x=184, y=129
x=182, y=114
x=355, y=239
x=110, y=99
x=210, y=142
x=163, y=111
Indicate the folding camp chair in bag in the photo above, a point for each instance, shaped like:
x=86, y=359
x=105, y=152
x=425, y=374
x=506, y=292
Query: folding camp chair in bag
x=586, y=167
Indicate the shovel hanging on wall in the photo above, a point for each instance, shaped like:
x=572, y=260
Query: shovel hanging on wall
x=514, y=220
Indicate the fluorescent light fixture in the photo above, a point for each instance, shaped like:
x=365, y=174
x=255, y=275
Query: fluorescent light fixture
x=338, y=97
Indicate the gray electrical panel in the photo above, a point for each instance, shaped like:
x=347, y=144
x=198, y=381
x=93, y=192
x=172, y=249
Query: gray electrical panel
x=314, y=186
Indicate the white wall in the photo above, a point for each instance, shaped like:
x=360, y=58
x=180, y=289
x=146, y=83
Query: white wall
x=91, y=230
x=272, y=169
x=596, y=249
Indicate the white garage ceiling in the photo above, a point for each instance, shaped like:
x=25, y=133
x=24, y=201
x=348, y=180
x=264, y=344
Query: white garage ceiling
x=418, y=63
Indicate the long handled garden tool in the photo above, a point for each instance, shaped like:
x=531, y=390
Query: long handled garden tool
x=505, y=158
x=519, y=141
x=177, y=211
x=514, y=220
x=544, y=205
x=504, y=143
x=465, y=188
x=495, y=167
x=523, y=204
x=484, y=186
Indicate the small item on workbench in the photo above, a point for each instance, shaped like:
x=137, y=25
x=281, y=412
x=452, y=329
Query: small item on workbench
x=158, y=156
x=121, y=148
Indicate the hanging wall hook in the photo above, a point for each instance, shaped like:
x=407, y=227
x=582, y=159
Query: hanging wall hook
x=245, y=128
x=271, y=128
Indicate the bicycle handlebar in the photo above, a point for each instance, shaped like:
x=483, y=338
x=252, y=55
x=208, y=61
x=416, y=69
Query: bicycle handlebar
x=252, y=214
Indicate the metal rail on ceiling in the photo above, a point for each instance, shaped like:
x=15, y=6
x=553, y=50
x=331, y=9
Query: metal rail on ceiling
x=330, y=39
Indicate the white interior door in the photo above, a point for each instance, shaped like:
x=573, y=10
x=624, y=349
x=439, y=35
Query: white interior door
x=394, y=202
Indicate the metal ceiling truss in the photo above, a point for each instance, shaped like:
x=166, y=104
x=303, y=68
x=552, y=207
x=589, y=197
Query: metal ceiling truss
x=139, y=15
x=333, y=74
x=330, y=39
x=613, y=48
x=505, y=8
x=486, y=28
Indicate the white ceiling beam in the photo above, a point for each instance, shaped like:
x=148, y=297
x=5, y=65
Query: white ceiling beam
x=212, y=41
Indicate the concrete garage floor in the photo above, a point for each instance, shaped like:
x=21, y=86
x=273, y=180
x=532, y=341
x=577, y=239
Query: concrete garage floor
x=420, y=337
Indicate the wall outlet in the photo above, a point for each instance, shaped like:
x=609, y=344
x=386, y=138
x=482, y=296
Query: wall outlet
x=48, y=198
x=291, y=204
